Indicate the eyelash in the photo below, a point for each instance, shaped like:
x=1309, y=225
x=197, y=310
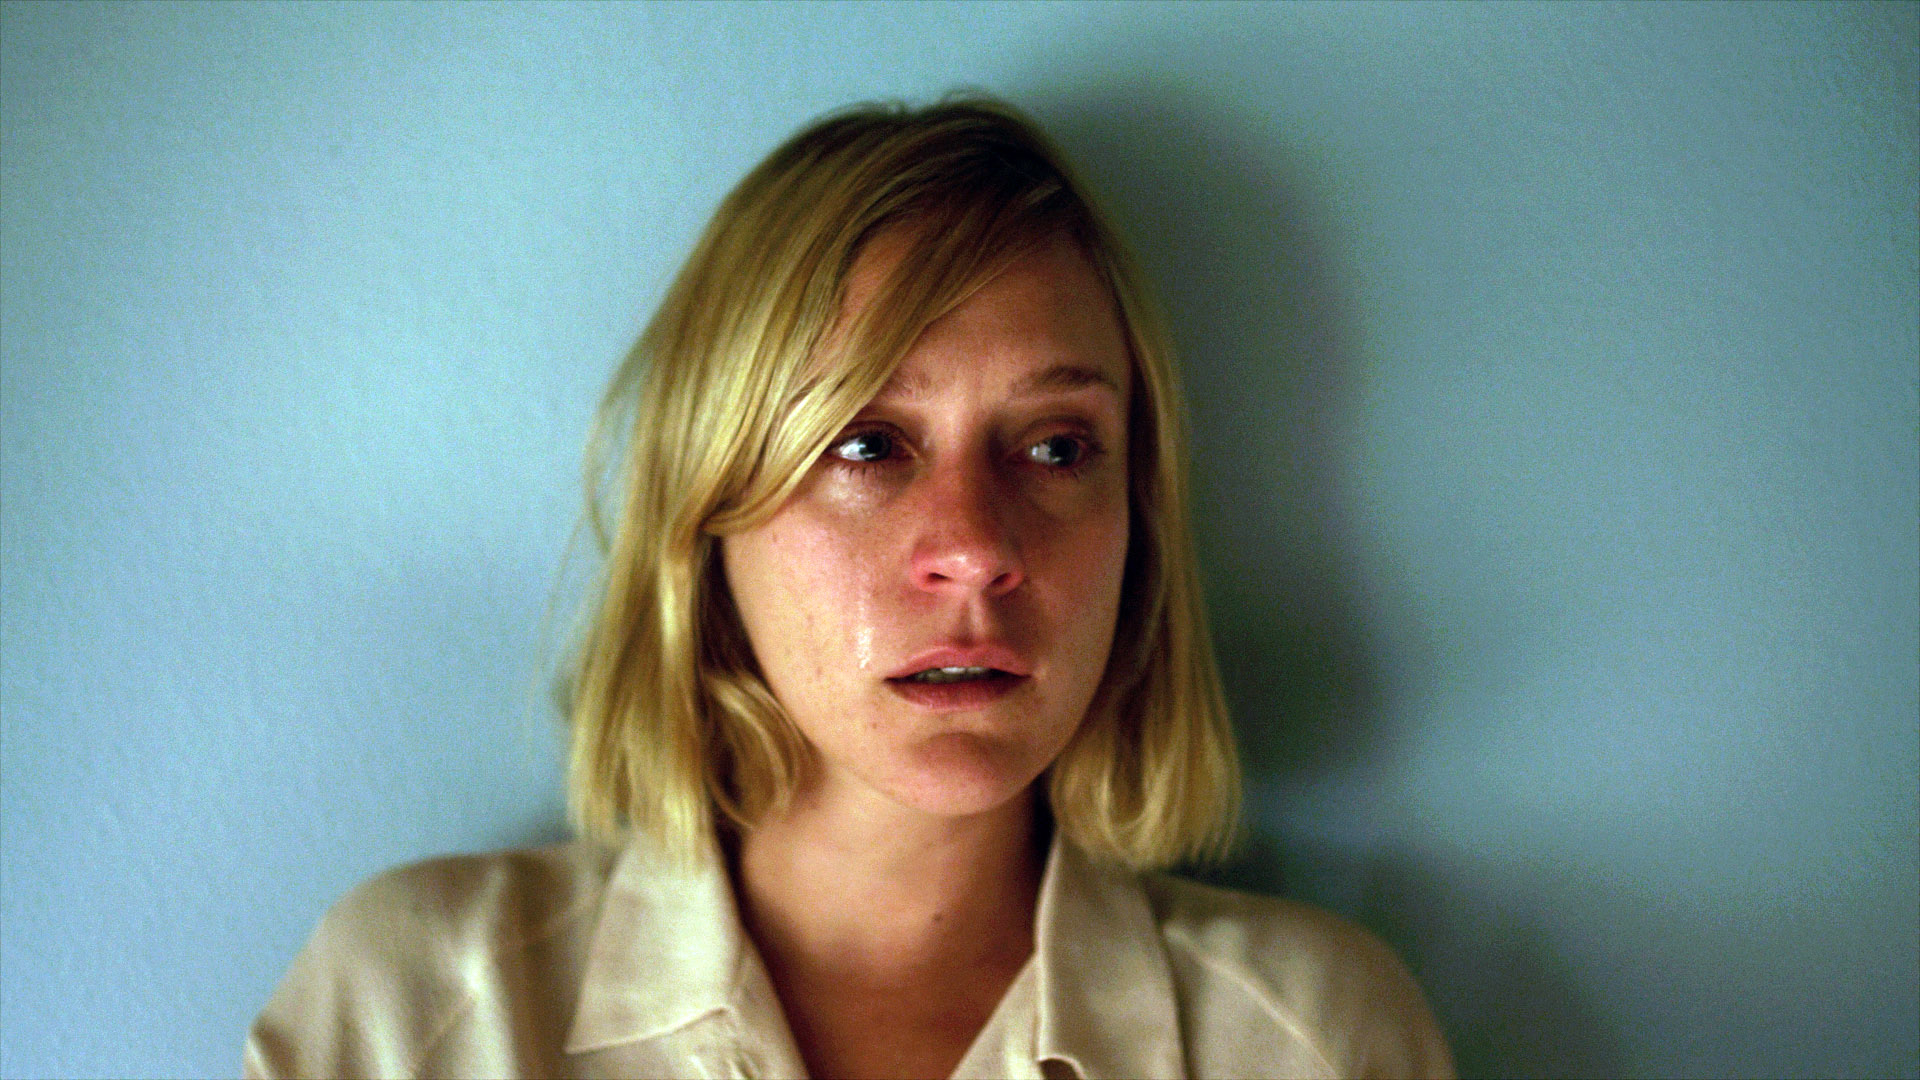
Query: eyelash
x=1090, y=451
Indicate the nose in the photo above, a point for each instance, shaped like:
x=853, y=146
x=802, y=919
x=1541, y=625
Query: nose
x=965, y=545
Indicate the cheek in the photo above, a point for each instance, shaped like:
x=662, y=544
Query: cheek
x=1098, y=550
x=1113, y=574
x=803, y=592
x=1087, y=565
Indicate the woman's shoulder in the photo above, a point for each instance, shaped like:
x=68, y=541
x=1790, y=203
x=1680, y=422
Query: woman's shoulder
x=1259, y=934
x=1238, y=957
x=497, y=900
x=397, y=963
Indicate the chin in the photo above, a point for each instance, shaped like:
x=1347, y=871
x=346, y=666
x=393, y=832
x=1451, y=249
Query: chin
x=963, y=775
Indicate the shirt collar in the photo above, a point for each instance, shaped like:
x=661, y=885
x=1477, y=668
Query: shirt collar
x=1106, y=1003
x=1105, y=1000
x=667, y=949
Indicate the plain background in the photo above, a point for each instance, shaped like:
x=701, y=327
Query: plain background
x=1555, y=374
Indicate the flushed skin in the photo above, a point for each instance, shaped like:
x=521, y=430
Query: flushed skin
x=975, y=513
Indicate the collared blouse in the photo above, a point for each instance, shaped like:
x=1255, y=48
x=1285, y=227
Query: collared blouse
x=582, y=961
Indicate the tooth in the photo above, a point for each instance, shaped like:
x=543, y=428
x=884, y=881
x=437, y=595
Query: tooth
x=951, y=674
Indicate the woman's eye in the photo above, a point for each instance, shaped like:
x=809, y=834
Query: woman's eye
x=1058, y=451
x=867, y=446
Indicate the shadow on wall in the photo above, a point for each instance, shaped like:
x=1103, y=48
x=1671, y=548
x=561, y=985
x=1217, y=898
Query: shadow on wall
x=1227, y=230
x=1224, y=230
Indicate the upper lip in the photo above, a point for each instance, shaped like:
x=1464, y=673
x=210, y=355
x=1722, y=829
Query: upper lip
x=983, y=655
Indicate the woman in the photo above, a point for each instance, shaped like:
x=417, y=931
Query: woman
x=897, y=688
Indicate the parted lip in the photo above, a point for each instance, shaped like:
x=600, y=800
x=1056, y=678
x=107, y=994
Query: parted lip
x=983, y=654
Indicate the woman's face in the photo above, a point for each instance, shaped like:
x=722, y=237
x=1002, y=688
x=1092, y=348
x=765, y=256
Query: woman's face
x=935, y=603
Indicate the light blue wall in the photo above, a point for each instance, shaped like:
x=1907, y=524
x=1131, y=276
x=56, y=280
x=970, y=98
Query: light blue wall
x=1556, y=381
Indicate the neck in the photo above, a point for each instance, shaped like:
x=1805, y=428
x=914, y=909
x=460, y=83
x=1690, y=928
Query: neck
x=863, y=889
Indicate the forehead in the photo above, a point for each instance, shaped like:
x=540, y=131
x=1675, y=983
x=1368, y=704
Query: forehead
x=1045, y=323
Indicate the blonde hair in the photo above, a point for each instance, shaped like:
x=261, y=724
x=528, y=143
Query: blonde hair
x=737, y=386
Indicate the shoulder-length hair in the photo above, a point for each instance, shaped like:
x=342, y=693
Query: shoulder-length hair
x=736, y=388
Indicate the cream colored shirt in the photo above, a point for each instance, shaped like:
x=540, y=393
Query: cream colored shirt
x=579, y=961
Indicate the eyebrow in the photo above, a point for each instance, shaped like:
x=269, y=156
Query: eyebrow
x=1063, y=377
x=1059, y=377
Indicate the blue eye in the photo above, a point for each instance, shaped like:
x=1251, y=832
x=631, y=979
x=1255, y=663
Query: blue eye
x=1058, y=451
x=866, y=446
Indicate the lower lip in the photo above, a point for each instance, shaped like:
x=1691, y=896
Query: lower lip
x=957, y=696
